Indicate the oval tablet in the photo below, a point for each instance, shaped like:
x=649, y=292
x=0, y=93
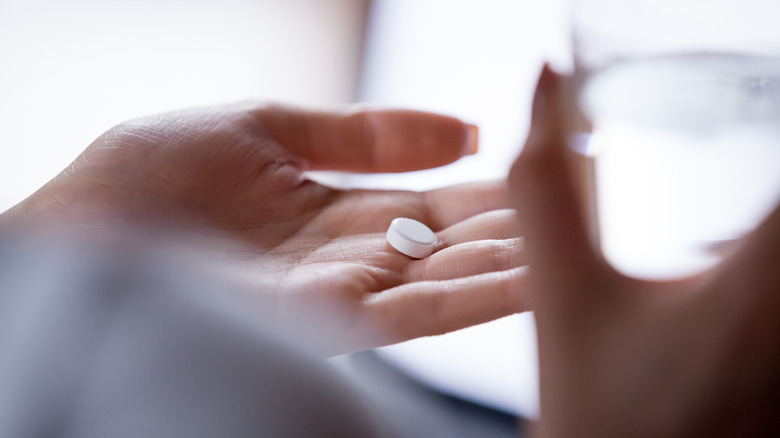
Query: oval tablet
x=411, y=237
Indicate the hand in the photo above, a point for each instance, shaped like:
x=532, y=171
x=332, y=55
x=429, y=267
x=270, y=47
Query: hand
x=623, y=357
x=238, y=170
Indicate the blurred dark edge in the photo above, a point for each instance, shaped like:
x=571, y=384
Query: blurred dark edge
x=438, y=414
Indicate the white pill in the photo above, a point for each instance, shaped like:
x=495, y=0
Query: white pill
x=411, y=237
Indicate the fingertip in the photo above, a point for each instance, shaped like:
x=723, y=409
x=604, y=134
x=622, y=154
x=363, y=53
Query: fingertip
x=546, y=131
x=541, y=94
x=548, y=192
x=549, y=112
x=472, y=139
x=407, y=140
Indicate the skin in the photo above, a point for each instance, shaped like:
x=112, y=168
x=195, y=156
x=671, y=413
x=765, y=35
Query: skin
x=618, y=356
x=234, y=175
x=624, y=357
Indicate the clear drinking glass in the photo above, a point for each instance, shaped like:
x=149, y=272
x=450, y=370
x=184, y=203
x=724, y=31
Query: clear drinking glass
x=681, y=100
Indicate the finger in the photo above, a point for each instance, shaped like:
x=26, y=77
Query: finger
x=367, y=211
x=467, y=259
x=744, y=293
x=494, y=224
x=369, y=140
x=559, y=245
x=450, y=205
x=751, y=270
x=436, y=307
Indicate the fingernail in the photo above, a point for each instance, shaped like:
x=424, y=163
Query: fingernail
x=548, y=117
x=472, y=139
x=545, y=83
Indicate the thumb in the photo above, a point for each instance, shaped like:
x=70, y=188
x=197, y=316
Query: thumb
x=369, y=140
x=547, y=189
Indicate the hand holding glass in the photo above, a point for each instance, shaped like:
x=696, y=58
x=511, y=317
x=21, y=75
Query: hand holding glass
x=682, y=101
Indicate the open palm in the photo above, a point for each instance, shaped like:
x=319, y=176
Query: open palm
x=238, y=171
